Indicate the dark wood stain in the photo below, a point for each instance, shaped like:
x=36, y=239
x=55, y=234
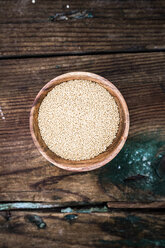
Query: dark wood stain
x=37, y=220
x=134, y=178
x=51, y=180
x=7, y=215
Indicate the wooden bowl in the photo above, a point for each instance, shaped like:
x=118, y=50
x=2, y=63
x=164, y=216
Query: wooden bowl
x=102, y=158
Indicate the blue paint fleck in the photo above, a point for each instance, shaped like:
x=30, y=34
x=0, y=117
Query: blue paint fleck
x=67, y=210
x=70, y=217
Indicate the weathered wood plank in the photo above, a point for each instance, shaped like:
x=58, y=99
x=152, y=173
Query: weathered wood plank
x=58, y=27
x=26, y=176
x=102, y=230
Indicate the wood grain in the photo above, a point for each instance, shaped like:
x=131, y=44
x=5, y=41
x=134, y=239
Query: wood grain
x=27, y=176
x=102, y=230
x=49, y=27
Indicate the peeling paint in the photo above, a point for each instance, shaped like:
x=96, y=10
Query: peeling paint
x=25, y=205
x=70, y=217
x=92, y=210
x=86, y=210
x=71, y=15
x=67, y=210
x=37, y=220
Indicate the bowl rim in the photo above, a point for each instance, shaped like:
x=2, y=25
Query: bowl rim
x=122, y=140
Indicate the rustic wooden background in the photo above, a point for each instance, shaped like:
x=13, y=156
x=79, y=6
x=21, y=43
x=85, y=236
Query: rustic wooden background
x=121, y=204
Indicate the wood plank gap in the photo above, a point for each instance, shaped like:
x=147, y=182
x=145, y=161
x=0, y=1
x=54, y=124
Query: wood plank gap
x=80, y=54
x=83, y=207
x=45, y=205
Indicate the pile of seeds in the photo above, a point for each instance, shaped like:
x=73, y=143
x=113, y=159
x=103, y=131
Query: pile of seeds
x=78, y=119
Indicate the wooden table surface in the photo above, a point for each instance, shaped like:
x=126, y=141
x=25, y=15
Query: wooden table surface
x=123, y=203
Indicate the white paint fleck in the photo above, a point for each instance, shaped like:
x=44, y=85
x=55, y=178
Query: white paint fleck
x=119, y=167
x=2, y=114
x=33, y=1
x=61, y=231
x=67, y=6
x=144, y=158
